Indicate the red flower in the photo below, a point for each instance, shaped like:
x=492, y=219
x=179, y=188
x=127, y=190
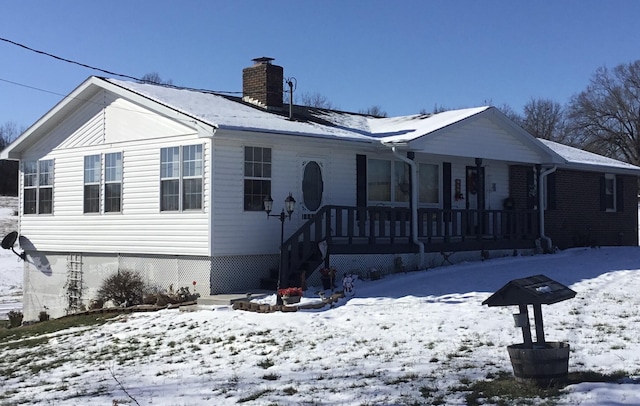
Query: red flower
x=290, y=292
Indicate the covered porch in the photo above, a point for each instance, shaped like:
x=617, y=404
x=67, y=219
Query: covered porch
x=344, y=230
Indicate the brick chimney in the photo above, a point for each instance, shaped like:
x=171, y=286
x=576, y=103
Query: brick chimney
x=262, y=84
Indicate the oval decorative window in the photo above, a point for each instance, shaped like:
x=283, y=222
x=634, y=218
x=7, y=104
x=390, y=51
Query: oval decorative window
x=312, y=186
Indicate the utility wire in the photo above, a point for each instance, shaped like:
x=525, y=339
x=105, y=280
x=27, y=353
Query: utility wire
x=107, y=71
x=31, y=87
x=67, y=60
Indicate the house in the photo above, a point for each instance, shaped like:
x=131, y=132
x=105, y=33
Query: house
x=171, y=182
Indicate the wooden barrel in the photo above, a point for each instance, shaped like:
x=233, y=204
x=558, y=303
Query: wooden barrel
x=543, y=364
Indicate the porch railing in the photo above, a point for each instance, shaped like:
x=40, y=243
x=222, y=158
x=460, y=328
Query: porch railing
x=360, y=230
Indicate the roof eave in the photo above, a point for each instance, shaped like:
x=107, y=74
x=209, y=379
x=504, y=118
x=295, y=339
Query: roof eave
x=601, y=168
x=14, y=150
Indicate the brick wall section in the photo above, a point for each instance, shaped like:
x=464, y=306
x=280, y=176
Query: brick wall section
x=263, y=82
x=577, y=219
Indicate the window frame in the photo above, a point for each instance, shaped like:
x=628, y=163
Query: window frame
x=113, y=175
x=391, y=170
x=98, y=181
x=610, y=205
x=182, y=167
x=257, y=177
x=38, y=180
x=91, y=187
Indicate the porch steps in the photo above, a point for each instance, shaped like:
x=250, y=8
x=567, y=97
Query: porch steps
x=306, y=266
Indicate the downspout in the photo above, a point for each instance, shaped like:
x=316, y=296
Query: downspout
x=541, y=195
x=414, y=202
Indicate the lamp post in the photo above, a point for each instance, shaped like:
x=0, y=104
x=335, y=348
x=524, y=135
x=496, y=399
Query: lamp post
x=289, y=204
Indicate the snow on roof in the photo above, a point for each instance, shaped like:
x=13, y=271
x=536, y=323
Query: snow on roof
x=224, y=113
x=577, y=156
x=407, y=128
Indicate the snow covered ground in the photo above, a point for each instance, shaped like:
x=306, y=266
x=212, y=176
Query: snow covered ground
x=414, y=338
x=10, y=265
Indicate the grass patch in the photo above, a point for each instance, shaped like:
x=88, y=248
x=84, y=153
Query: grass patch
x=254, y=396
x=503, y=389
x=265, y=363
x=28, y=336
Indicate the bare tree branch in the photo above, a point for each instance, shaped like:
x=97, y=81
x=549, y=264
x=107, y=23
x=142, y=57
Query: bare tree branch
x=605, y=117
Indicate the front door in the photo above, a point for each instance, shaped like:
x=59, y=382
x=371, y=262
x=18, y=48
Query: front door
x=312, y=188
x=474, y=197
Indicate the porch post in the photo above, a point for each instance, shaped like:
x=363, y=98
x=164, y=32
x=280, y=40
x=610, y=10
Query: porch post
x=411, y=155
x=481, y=203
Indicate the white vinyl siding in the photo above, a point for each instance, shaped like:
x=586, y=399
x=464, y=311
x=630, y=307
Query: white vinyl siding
x=141, y=228
x=480, y=137
x=240, y=232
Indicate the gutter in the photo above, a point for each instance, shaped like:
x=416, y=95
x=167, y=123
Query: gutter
x=541, y=196
x=414, y=202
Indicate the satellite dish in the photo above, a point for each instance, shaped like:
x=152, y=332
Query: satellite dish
x=8, y=242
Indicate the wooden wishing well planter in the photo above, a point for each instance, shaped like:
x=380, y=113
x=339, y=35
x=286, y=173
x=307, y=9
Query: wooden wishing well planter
x=542, y=362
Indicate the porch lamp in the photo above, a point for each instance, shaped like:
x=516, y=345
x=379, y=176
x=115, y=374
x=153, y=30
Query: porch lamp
x=289, y=204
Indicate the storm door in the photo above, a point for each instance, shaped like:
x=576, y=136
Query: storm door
x=474, y=197
x=312, y=186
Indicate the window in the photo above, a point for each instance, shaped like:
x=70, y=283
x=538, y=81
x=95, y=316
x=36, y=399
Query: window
x=92, y=184
x=38, y=187
x=113, y=182
x=181, y=178
x=192, y=177
x=609, y=192
x=379, y=182
x=257, y=177
x=111, y=189
x=429, y=188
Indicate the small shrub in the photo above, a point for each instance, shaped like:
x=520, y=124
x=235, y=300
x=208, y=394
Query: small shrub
x=125, y=287
x=95, y=304
x=171, y=296
x=43, y=316
x=265, y=363
x=15, y=318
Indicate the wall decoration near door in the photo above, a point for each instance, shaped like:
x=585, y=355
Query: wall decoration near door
x=312, y=187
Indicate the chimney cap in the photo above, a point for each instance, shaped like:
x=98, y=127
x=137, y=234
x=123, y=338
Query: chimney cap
x=263, y=60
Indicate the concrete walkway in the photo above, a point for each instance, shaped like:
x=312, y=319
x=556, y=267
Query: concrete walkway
x=230, y=298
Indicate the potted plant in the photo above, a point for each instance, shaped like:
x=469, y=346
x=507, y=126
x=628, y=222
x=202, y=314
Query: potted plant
x=290, y=295
x=15, y=318
x=327, y=276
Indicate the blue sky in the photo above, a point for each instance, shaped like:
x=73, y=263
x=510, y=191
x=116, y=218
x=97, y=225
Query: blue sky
x=401, y=55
